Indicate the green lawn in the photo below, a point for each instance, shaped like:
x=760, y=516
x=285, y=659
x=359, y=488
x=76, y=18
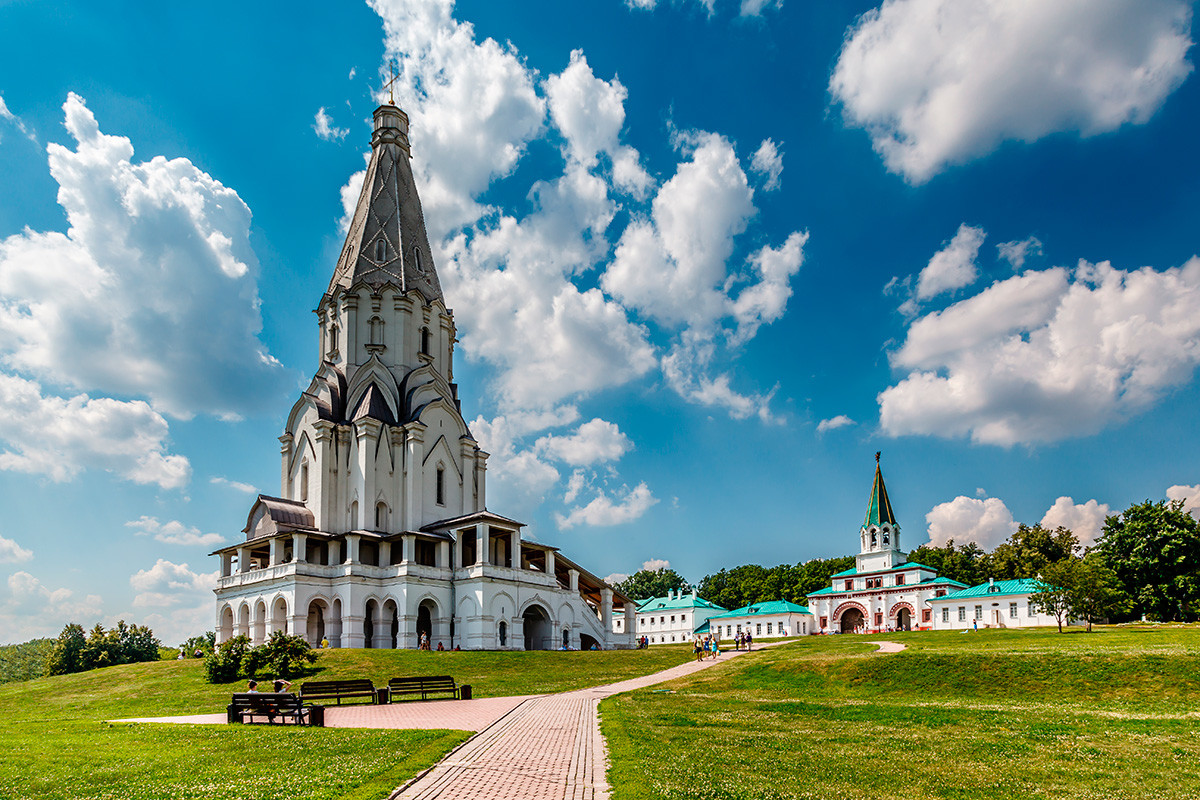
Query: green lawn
x=58, y=745
x=1112, y=714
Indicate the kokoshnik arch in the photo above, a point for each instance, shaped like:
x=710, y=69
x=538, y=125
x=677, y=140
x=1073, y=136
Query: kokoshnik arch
x=381, y=532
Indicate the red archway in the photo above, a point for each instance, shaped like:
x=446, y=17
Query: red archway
x=850, y=615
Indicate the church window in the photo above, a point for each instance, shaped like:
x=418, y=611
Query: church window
x=878, y=620
x=945, y=615
x=824, y=622
x=962, y=613
x=899, y=580
x=381, y=514
x=503, y=634
x=662, y=620
x=672, y=619
x=758, y=629
x=376, y=330
x=727, y=627
x=380, y=249
x=926, y=615
x=333, y=340
x=354, y=515
x=683, y=619
x=978, y=612
x=873, y=538
x=1012, y=610
x=849, y=585
x=440, y=486
x=768, y=629
x=940, y=593
x=425, y=341
x=304, y=482
x=672, y=637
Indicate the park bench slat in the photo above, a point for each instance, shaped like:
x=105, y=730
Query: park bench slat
x=423, y=685
x=279, y=708
x=325, y=690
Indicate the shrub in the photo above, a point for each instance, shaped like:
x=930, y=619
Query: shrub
x=282, y=656
x=123, y=644
x=203, y=645
x=225, y=663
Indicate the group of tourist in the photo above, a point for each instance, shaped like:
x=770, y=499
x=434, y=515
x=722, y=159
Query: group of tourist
x=708, y=646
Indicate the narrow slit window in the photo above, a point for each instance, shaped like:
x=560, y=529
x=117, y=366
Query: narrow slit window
x=440, y=486
x=380, y=249
x=425, y=341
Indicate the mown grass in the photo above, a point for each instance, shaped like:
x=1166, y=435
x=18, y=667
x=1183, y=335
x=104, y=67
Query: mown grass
x=1112, y=714
x=58, y=744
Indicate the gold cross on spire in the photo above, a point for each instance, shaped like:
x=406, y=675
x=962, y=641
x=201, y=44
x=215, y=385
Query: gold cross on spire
x=388, y=85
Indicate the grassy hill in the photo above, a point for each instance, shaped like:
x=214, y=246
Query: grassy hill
x=984, y=715
x=58, y=745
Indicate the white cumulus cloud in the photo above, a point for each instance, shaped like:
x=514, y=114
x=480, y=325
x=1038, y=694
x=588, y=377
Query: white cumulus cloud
x=325, y=128
x=59, y=437
x=833, y=423
x=606, y=510
x=169, y=584
x=1047, y=355
x=1085, y=520
x=13, y=553
x=987, y=522
x=1190, y=495
x=952, y=267
x=174, y=532
x=941, y=82
x=31, y=609
x=767, y=163
x=594, y=441
x=237, y=486
x=151, y=292
x=656, y=564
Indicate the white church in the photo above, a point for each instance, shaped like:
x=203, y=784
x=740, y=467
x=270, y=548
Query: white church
x=381, y=536
x=884, y=591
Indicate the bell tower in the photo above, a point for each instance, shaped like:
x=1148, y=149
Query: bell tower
x=880, y=533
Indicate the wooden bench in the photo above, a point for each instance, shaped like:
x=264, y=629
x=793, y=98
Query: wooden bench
x=337, y=690
x=423, y=685
x=273, y=708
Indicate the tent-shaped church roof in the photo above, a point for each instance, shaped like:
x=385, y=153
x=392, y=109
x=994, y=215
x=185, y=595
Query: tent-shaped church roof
x=879, y=510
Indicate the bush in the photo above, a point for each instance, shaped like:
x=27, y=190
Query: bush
x=203, y=645
x=225, y=663
x=282, y=656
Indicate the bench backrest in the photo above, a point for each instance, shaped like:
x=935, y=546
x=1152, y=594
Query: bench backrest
x=281, y=701
x=354, y=685
x=422, y=681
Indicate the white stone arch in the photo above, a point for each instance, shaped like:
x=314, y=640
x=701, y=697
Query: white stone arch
x=259, y=625
x=334, y=625
x=390, y=622
x=371, y=607
x=318, y=615
x=277, y=619
x=503, y=606
x=243, y=619
x=538, y=626
x=431, y=618
x=225, y=622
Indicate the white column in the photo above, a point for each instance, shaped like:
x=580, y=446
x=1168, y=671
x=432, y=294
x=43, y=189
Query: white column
x=406, y=549
x=412, y=482
x=351, y=548
x=276, y=551
x=299, y=548
x=285, y=458
x=481, y=544
x=550, y=563
x=516, y=550
x=575, y=580
x=442, y=558
x=385, y=554
x=352, y=631
x=458, y=549
x=630, y=626
x=606, y=598
x=226, y=564
x=243, y=559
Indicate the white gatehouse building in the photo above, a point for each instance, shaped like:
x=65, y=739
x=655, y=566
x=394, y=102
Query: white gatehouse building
x=380, y=534
x=883, y=591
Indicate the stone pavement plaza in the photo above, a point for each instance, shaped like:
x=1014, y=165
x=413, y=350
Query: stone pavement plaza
x=533, y=748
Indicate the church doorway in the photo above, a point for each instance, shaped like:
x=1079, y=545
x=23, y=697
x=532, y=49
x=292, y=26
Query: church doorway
x=369, y=622
x=425, y=623
x=903, y=620
x=315, y=624
x=538, y=632
x=852, y=620
x=391, y=618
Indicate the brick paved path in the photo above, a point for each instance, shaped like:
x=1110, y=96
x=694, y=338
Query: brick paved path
x=546, y=748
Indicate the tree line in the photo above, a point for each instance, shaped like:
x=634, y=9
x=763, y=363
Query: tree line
x=1146, y=563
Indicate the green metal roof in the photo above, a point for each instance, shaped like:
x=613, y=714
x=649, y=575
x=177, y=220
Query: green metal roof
x=927, y=582
x=685, y=602
x=879, y=510
x=769, y=607
x=999, y=588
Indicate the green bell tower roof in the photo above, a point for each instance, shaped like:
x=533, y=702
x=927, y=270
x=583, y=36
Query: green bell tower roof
x=879, y=511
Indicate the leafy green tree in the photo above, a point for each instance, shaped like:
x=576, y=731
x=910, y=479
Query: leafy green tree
x=647, y=583
x=204, y=644
x=967, y=563
x=24, y=661
x=1154, y=548
x=1030, y=550
x=67, y=654
x=816, y=574
x=1056, y=586
x=1096, y=592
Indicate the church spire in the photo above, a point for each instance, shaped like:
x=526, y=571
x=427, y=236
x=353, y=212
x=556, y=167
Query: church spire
x=879, y=510
x=387, y=242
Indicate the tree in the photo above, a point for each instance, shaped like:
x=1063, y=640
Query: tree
x=1055, y=587
x=225, y=663
x=968, y=563
x=1097, y=592
x=1030, y=550
x=1154, y=548
x=67, y=654
x=205, y=643
x=647, y=583
x=281, y=656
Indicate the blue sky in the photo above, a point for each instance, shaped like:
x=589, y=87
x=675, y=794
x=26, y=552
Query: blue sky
x=705, y=259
